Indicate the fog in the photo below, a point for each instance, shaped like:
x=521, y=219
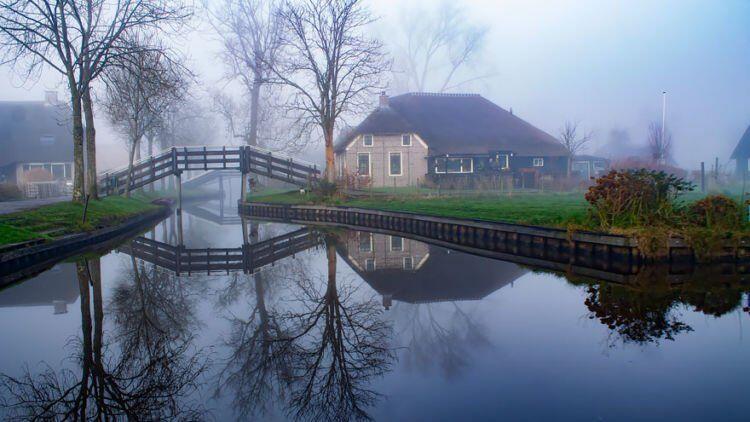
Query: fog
x=602, y=64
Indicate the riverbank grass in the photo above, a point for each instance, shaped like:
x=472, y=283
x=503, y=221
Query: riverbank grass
x=542, y=209
x=51, y=221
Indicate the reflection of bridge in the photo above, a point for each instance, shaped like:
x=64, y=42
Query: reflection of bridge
x=248, y=257
x=246, y=159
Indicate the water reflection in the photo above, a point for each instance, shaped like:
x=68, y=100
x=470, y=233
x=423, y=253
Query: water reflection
x=146, y=378
x=311, y=330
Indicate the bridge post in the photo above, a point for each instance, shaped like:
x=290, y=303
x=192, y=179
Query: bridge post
x=244, y=160
x=179, y=192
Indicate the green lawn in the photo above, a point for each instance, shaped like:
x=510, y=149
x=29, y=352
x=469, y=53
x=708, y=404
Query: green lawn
x=65, y=218
x=548, y=209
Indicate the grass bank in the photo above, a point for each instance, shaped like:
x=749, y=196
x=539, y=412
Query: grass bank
x=543, y=209
x=51, y=221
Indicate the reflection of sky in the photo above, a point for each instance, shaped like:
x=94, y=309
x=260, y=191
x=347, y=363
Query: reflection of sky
x=535, y=354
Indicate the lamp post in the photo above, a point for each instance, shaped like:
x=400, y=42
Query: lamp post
x=662, y=160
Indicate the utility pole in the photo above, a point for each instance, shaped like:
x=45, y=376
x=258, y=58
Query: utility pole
x=662, y=159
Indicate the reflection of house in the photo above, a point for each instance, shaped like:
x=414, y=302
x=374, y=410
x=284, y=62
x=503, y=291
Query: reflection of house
x=36, y=144
x=589, y=166
x=422, y=273
x=56, y=287
x=447, y=138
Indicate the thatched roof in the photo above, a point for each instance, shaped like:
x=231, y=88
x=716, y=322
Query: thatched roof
x=457, y=124
x=34, y=131
x=742, y=150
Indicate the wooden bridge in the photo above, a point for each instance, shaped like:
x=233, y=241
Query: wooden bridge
x=245, y=159
x=247, y=258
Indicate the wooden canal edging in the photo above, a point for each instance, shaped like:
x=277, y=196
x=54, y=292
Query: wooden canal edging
x=540, y=246
x=22, y=263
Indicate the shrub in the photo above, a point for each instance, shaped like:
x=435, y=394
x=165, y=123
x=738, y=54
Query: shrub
x=715, y=212
x=9, y=192
x=327, y=189
x=630, y=198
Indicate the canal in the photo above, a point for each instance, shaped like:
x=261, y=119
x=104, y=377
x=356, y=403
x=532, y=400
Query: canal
x=215, y=317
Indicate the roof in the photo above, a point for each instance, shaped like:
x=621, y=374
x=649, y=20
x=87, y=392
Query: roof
x=584, y=157
x=457, y=124
x=34, y=131
x=446, y=276
x=742, y=150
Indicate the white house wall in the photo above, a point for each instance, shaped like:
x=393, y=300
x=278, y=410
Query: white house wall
x=413, y=160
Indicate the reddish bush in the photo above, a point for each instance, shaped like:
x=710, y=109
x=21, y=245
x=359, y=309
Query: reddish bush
x=715, y=211
x=627, y=198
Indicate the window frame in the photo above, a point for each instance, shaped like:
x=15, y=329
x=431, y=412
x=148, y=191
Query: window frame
x=367, y=267
x=461, y=167
x=506, y=165
x=390, y=244
x=371, y=246
x=403, y=263
x=372, y=140
x=537, y=162
x=406, y=136
x=369, y=164
x=400, y=164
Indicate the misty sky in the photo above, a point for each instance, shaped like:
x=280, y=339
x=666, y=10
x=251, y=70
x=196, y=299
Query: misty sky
x=602, y=63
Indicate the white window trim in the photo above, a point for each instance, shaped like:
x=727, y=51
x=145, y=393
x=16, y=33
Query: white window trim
x=471, y=162
x=402, y=140
x=369, y=163
x=372, y=243
x=372, y=144
x=537, y=162
x=506, y=165
x=390, y=244
x=374, y=264
x=401, y=163
x=403, y=262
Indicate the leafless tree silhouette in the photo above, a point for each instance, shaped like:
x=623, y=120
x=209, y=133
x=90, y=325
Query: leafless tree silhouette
x=149, y=384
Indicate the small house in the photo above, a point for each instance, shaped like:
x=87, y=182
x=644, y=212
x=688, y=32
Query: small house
x=447, y=139
x=37, y=147
x=741, y=154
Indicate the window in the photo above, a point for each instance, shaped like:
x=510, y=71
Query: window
x=408, y=263
x=370, y=264
x=538, y=162
x=365, y=242
x=367, y=140
x=406, y=140
x=58, y=171
x=363, y=163
x=395, y=164
x=454, y=165
x=397, y=243
x=503, y=161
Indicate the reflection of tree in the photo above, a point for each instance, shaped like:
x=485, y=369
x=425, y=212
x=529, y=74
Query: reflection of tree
x=431, y=339
x=259, y=359
x=712, y=300
x=148, y=381
x=341, y=344
x=634, y=315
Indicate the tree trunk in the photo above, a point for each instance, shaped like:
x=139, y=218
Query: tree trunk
x=133, y=148
x=88, y=109
x=330, y=169
x=254, y=104
x=78, y=167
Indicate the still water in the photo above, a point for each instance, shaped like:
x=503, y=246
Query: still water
x=340, y=325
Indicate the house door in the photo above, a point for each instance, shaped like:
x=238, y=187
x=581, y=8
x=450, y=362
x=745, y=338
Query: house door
x=528, y=179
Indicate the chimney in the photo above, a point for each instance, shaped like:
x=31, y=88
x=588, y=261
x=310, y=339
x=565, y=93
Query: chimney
x=50, y=97
x=511, y=111
x=383, y=99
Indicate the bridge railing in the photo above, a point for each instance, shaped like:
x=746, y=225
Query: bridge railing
x=246, y=159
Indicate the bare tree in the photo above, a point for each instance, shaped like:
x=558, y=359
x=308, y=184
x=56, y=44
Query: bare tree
x=251, y=35
x=439, y=44
x=659, y=143
x=77, y=39
x=572, y=142
x=140, y=92
x=329, y=62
